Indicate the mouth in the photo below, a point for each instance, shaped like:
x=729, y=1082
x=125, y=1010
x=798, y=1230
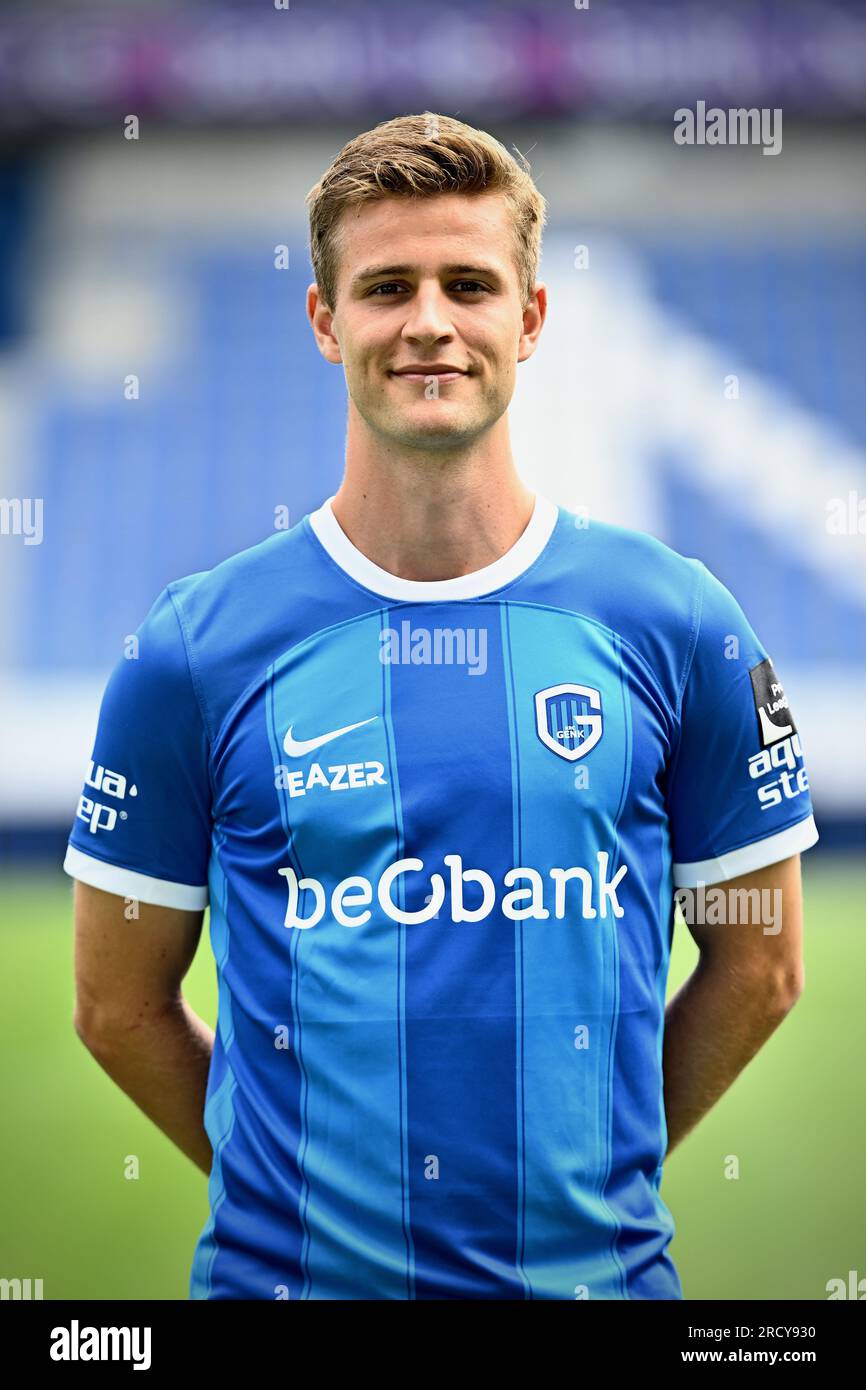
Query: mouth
x=439, y=373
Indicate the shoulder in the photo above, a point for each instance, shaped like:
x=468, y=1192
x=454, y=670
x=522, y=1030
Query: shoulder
x=239, y=581
x=245, y=600
x=208, y=617
x=663, y=607
x=631, y=579
x=217, y=630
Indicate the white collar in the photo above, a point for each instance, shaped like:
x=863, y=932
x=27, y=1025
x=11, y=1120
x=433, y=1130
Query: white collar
x=510, y=566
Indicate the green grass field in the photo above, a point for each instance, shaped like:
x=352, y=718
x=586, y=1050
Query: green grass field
x=794, y=1218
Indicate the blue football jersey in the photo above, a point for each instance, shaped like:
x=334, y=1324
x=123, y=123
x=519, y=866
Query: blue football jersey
x=439, y=826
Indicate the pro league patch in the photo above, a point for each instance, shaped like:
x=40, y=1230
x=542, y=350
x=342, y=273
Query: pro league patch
x=775, y=720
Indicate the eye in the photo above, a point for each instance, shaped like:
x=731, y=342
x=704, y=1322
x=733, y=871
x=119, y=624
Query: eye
x=388, y=288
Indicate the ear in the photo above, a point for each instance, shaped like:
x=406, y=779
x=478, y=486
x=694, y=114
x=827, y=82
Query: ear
x=322, y=323
x=533, y=321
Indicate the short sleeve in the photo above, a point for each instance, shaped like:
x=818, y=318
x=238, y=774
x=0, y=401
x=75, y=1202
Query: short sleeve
x=738, y=790
x=143, y=823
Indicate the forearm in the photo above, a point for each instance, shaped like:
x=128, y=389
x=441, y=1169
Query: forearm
x=714, y=1025
x=162, y=1064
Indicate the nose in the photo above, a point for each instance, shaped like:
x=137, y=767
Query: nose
x=428, y=318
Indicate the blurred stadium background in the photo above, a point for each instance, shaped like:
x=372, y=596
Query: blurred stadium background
x=700, y=378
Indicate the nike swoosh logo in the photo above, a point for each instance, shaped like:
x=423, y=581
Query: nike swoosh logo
x=296, y=748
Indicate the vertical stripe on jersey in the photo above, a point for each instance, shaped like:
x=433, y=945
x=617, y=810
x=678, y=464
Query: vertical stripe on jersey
x=646, y=1225
x=219, y=1113
x=568, y=1229
x=348, y=994
x=452, y=746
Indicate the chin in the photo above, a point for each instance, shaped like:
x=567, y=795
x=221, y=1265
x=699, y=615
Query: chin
x=432, y=437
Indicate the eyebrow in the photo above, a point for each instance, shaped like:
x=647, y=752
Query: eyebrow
x=373, y=272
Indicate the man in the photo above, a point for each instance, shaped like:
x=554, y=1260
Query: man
x=437, y=758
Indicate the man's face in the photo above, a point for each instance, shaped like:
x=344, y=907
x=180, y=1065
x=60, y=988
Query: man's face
x=429, y=324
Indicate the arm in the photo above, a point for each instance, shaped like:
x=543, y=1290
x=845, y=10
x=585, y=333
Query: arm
x=130, y=1014
x=747, y=979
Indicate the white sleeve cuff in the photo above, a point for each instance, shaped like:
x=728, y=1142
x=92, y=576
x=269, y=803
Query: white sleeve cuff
x=748, y=858
x=161, y=892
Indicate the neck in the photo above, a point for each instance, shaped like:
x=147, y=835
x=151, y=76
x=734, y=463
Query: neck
x=428, y=516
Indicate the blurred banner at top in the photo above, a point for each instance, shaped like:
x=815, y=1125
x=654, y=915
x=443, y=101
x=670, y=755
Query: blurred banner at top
x=262, y=61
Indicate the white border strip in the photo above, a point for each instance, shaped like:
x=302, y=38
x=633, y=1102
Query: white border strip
x=745, y=860
x=112, y=878
x=511, y=565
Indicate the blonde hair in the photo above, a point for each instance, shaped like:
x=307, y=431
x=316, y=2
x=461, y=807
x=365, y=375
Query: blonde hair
x=422, y=156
